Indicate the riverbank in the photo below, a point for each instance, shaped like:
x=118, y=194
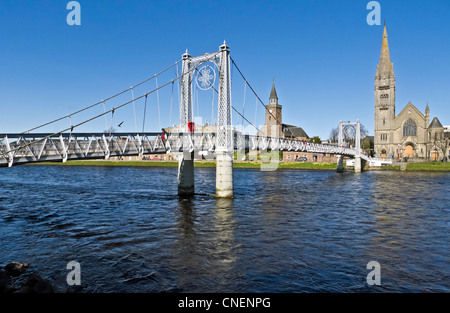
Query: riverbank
x=418, y=167
x=425, y=166
x=236, y=164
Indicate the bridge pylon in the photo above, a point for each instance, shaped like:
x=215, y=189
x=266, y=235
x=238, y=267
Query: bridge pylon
x=186, y=185
x=358, y=160
x=224, y=147
x=225, y=140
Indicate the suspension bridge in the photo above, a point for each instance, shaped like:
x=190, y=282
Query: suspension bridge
x=67, y=144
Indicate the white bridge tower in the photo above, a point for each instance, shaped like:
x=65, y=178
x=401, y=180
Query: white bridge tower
x=224, y=134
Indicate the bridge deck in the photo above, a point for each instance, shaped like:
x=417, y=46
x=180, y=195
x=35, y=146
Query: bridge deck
x=43, y=147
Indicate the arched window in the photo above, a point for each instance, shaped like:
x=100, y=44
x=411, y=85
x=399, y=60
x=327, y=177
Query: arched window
x=409, y=128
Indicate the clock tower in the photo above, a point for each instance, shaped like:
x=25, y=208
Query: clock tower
x=273, y=115
x=384, y=101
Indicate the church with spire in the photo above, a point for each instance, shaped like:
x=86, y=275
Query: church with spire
x=274, y=126
x=409, y=134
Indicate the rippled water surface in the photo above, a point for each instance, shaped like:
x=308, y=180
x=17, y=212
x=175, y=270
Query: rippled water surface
x=285, y=231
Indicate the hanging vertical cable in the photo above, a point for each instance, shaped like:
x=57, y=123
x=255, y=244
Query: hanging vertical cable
x=212, y=106
x=193, y=99
x=198, y=111
x=157, y=100
x=134, y=110
x=70, y=121
x=106, y=120
x=145, y=110
x=256, y=108
x=112, y=122
x=243, y=106
x=171, y=103
x=178, y=88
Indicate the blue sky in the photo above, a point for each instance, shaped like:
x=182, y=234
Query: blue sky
x=323, y=55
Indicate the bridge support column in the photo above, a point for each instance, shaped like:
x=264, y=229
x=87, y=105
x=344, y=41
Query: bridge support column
x=340, y=163
x=224, y=175
x=225, y=136
x=358, y=164
x=186, y=174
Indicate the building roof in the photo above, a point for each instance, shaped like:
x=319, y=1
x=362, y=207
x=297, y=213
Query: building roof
x=273, y=92
x=290, y=131
x=435, y=123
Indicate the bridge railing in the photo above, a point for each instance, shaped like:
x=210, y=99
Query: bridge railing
x=41, y=147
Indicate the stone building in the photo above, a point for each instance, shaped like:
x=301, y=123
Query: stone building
x=274, y=127
x=410, y=133
x=447, y=137
x=273, y=119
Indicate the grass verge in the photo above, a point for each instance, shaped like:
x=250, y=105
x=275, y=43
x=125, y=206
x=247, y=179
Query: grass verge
x=429, y=166
x=248, y=164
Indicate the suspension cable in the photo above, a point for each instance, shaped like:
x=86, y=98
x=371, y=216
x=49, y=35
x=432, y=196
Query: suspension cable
x=265, y=107
x=101, y=114
x=95, y=104
x=231, y=105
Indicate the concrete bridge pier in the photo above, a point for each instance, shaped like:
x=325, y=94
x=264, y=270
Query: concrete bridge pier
x=224, y=175
x=186, y=174
x=340, y=163
x=358, y=165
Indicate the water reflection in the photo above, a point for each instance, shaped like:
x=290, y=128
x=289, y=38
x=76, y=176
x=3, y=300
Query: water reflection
x=224, y=250
x=224, y=225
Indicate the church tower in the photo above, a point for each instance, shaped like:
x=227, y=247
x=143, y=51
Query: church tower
x=384, y=101
x=273, y=115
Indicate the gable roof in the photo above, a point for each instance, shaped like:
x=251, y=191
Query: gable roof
x=435, y=123
x=410, y=106
x=273, y=92
x=290, y=131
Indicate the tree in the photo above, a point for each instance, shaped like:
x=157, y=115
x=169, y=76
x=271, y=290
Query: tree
x=443, y=146
x=334, y=135
x=348, y=133
x=316, y=139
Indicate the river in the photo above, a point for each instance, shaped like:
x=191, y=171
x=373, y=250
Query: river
x=286, y=231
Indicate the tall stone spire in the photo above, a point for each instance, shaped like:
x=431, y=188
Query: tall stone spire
x=427, y=115
x=385, y=66
x=385, y=57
